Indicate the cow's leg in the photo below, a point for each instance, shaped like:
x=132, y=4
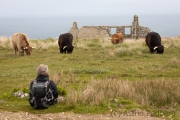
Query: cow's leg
x=121, y=41
x=61, y=49
x=65, y=51
x=15, y=50
x=21, y=51
x=151, y=50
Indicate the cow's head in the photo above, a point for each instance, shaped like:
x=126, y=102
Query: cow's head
x=114, y=40
x=159, y=49
x=68, y=48
x=28, y=50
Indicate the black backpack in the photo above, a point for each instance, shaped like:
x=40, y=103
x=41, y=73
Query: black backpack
x=41, y=95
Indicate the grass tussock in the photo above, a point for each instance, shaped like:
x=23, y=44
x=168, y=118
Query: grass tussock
x=174, y=62
x=156, y=93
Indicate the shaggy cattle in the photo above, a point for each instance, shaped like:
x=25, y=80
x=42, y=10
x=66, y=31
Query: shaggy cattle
x=65, y=43
x=21, y=44
x=153, y=41
x=117, y=38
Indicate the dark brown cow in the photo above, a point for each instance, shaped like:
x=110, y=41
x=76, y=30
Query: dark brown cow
x=117, y=38
x=65, y=43
x=153, y=41
x=21, y=44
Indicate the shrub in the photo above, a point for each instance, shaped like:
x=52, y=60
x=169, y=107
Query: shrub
x=61, y=91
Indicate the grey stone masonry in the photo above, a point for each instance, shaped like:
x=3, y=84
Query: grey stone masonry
x=104, y=32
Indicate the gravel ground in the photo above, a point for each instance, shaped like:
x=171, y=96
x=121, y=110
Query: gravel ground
x=70, y=116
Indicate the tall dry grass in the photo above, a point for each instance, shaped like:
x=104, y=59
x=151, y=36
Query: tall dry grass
x=63, y=79
x=156, y=93
x=84, y=43
x=171, y=41
x=45, y=44
x=128, y=46
x=6, y=42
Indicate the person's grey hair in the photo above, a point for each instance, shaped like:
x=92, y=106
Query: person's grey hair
x=42, y=69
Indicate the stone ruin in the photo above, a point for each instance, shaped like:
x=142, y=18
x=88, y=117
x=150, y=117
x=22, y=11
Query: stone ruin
x=104, y=32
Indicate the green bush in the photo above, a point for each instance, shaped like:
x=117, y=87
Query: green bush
x=61, y=91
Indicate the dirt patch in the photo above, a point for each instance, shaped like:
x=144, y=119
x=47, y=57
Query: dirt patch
x=70, y=116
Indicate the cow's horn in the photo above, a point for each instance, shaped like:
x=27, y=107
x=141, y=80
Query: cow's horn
x=165, y=47
x=155, y=47
x=37, y=48
x=40, y=47
x=64, y=47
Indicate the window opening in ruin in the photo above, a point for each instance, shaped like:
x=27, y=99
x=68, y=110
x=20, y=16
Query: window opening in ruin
x=113, y=31
x=127, y=31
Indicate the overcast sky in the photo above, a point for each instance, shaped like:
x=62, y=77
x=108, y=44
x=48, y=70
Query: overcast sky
x=44, y=8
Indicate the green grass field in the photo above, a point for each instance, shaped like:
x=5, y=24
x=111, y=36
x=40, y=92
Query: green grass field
x=98, y=76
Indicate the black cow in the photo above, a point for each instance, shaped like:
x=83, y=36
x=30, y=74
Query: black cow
x=65, y=43
x=153, y=41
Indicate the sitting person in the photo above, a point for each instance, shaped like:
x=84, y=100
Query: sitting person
x=43, y=92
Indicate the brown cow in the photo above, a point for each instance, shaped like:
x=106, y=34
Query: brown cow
x=117, y=38
x=21, y=44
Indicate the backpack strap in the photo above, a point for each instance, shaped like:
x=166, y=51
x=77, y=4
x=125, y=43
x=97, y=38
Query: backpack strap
x=46, y=83
x=49, y=96
x=35, y=81
x=31, y=90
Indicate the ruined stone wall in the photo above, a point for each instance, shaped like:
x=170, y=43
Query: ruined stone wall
x=103, y=32
x=91, y=32
x=142, y=32
x=120, y=29
x=99, y=32
x=74, y=31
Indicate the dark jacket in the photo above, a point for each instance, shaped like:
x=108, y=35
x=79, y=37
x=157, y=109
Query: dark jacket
x=52, y=86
